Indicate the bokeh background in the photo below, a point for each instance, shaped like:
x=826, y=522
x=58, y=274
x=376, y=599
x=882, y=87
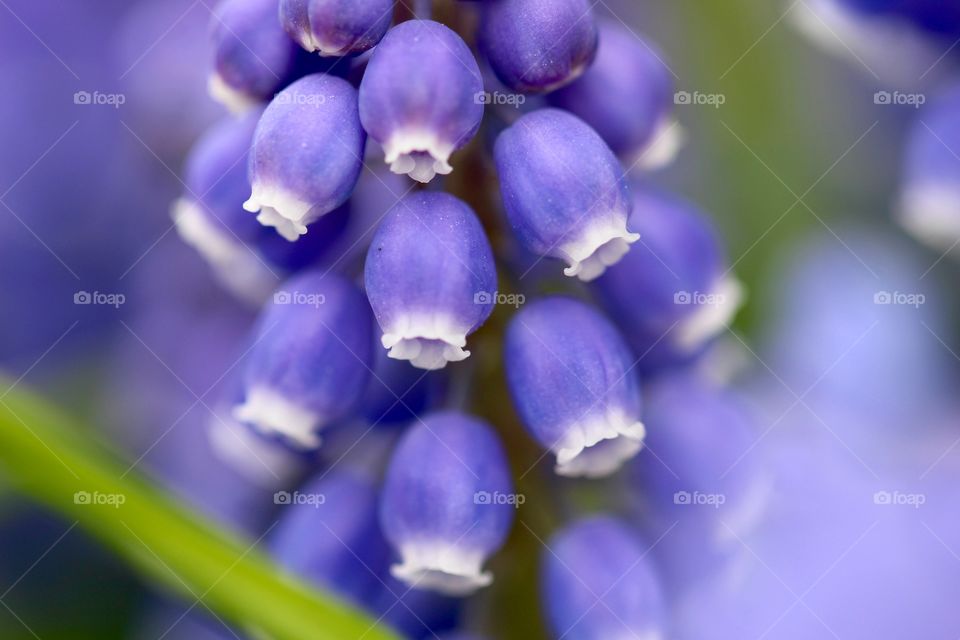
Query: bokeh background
x=800, y=166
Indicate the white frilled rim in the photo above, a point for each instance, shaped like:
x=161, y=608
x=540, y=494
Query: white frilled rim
x=241, y=270
x=442, y=567
x=712, y=316
x=931, y=213
x=279, y=209
x=273, y=414
x=665, y=143
x=235, y=101
x=421, y=154
x=427, y=341
x=265, y=462
x=891, y=48
x=600, y=245
x=599, y=445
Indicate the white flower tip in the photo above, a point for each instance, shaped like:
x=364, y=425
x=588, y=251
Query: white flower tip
x=279, y=209
x=419, y=154
x=931, y=214
x=271, y=413
x=598, y=247
x=599, y=447
x=667, y=140
x=428, y=342
x=235, y=101
x=711, y=316
x=235, y=265
x=266, y=463
x=442, y=568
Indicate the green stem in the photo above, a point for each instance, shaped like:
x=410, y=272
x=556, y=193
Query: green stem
x=55, y=463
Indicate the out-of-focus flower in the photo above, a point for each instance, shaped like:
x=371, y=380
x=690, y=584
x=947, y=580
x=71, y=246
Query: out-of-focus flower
x=310, y=360
x=336, y=27
x=626, y=96
x=419, y=98
x=670, y=295
x=430, y=278
x=328, y=533
x=695, y=476
x=899, y=41
x=573, y=383
x=447, y=503
x=564, y=192
x=253, y=56
x=307, y=154
x=930, y=193
x=599, y=583
x=538, y=45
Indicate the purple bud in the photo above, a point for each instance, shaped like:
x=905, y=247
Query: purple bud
x=418, y=98
x=538, y=45
x=307, y=154
x=310, y=360
x=448, y=503
x=210, y=215
x=248, y=258
x=671, y=295
x=598, y=583
x=626, y=95
x=430, y=276
x=329, y=534
x=572, y=382
x=253, y=57
x=336, y=27
x=930, y=198
x=564, y=192
x=695, y=472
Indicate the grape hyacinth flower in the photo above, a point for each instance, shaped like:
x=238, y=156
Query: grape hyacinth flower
x=419, y=98
x=330, y=534
x=248, y=258
x=430, y=277
x=447, y=503
x=930, y=195
x=253, y=57
x=336, y=27
x=538, y=45
x=307, y=154
x=626, y=96
x=210, y=216
x=564, y=192
x=310, y=360
x=671, y=295
x=572, y=381
x=598, y=583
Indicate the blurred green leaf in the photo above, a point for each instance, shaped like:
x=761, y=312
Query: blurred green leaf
x=50, y=459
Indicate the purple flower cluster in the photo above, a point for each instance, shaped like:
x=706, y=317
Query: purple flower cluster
x=290, y=203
